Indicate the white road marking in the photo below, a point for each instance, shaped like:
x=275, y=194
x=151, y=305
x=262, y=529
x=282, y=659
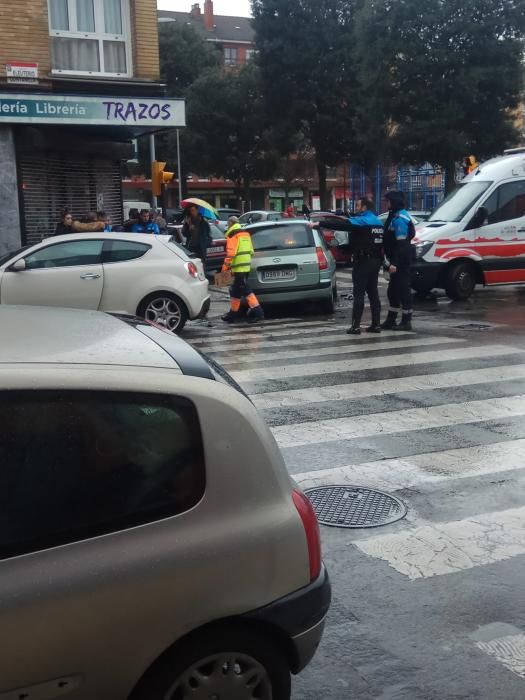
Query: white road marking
x=260, y=332
x=380, y=387
x=273, y=326
x=324, y=337
x=353, y=365
x=510, y=651
x=423, y=469
x=388, y=422
x=436, y=549
x=248, y=356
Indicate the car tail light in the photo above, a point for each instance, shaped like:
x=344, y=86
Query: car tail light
x=321, y=259
x=192, y=269
x=311, y=529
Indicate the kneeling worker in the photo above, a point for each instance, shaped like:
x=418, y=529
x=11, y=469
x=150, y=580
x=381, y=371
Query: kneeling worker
x=366, y=246
x=239, y=251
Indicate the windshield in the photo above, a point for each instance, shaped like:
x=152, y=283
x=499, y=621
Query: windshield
x=9, y=256
x=459, y=201
x=282, y=237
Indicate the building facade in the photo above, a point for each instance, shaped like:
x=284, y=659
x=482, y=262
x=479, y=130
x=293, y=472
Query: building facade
x=78, y=81
x=234, y=37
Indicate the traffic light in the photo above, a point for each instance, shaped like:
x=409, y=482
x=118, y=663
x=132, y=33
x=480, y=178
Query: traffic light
x=159, y=177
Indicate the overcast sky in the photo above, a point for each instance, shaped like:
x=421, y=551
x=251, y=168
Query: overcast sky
x=235, y=8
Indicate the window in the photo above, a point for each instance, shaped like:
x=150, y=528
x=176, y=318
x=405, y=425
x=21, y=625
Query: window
x=230, y=56
x=75, y=465
x=459, y=201
x=120, y=251
x=250, y=54
x=506, y=202
x=282, y=237
x=70, y=254
x=90, y=36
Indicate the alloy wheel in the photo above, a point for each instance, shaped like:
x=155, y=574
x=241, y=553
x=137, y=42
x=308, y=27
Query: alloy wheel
x=165, y=312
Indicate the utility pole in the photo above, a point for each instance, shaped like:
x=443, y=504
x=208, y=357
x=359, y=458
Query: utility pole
x=179, y=172
x=152, y=158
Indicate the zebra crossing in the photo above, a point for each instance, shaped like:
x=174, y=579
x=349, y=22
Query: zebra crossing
x=432, y=417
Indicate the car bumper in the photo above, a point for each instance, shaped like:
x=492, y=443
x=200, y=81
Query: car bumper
x=425, y=275
x=205, y=307
x=322, y=290
x=301, y=617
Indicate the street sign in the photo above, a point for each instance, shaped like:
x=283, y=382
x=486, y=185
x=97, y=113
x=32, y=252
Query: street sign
x=21, y=72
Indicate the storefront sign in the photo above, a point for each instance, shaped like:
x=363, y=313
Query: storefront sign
x=100, y=111
x=292, y=194
x=22, y=73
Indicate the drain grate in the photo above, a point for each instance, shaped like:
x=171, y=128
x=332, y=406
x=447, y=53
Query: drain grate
x=355, y=506
x=475, y=326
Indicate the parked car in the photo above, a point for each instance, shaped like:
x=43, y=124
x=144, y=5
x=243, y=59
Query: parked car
x=224, y=215
x=333, y=238
x=292, y=263
x=217, y=251
x=133, y=570
x=128, y=273
x=253, y=217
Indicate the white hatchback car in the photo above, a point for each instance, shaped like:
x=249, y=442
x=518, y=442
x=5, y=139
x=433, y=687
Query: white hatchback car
x=129, y=273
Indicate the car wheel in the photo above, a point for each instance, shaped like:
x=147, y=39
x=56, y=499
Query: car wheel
x=328, y=305
x=234, y=663
x=460, y=281
x=164, y=309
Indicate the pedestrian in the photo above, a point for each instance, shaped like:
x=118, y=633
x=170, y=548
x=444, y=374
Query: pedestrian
x=305, y=210
x=106, y=220
x=196, y=232
x=290, y=210
x=365, y=243
x=65, y=225
x=239, y=251
x=399, y=232
x=144, y=225
x=160, y=221
x=133, y=218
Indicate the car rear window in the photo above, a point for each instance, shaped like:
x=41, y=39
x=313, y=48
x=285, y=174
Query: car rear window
x=282, y=237
x=75, y=465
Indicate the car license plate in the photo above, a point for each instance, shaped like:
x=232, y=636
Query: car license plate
x=278, y=275
x=216, y=249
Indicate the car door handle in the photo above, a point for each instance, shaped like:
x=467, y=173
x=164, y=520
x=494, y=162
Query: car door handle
x=89, y=276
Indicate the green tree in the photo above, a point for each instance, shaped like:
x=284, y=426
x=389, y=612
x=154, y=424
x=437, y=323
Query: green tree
x=229, y=127
x=308, y=79
x=440, y=79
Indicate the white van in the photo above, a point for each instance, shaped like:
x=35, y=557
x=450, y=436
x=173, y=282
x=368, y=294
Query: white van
x=477, y=234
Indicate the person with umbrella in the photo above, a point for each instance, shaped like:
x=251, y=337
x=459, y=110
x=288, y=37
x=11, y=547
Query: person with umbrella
x=196, y=230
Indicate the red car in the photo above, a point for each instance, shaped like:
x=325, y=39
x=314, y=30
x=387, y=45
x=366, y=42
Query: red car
x=333, y=238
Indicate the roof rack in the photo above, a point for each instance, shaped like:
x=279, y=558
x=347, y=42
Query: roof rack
x=512, y=151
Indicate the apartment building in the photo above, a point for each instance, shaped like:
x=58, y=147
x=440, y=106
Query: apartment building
x=79, y=79
x=233, y=37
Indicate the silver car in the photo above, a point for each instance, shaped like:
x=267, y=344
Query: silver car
x=292, y=263
x=152, y=544
x=257, y=215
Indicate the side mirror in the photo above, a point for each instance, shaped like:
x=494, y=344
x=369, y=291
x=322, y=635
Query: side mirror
x=480, y=218
x=18, y=266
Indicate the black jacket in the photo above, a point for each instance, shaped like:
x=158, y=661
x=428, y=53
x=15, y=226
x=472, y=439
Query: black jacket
x=199, y=239
x=363, y=239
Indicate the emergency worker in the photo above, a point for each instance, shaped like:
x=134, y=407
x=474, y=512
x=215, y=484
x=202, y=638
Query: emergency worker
x=239, y=251
x=365, y=243
x=399, y=232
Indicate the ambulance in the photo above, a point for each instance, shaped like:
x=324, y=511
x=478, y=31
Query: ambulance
x=477, y=234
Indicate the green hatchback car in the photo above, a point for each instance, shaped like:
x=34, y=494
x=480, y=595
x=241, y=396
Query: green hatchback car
x=292, y=263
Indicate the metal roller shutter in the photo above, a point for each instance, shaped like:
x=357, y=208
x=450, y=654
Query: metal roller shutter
x=52, y=182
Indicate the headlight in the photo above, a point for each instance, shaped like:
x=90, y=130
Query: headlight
x=423, y=248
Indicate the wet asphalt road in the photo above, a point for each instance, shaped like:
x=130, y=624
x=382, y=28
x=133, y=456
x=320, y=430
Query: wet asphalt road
x=432, y=606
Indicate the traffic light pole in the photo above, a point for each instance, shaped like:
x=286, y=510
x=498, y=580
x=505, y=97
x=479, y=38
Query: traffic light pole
x=178, y=168
x=152, y=159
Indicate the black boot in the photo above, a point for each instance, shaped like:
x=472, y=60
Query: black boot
x=255, y=314
x=390, y=322
x=406, y=322
x=355, y=329
x=231, y=317
x=374, y=329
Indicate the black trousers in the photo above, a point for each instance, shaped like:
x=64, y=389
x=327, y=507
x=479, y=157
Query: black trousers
x=399, y=290
x=365, y=273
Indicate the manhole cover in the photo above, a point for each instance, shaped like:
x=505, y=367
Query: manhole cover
x=474, y=326
x=355, y=506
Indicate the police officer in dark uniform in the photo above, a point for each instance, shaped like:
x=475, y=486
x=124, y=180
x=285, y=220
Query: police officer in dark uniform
x=399, y=232
x=365, y=242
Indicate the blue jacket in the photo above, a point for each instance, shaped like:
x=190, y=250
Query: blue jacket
x=150, y=227
x=365, y=234
x=367, y=218
x=399, y=232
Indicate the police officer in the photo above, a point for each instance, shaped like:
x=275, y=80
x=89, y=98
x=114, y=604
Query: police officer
x=399, y=231
x=365, y=242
